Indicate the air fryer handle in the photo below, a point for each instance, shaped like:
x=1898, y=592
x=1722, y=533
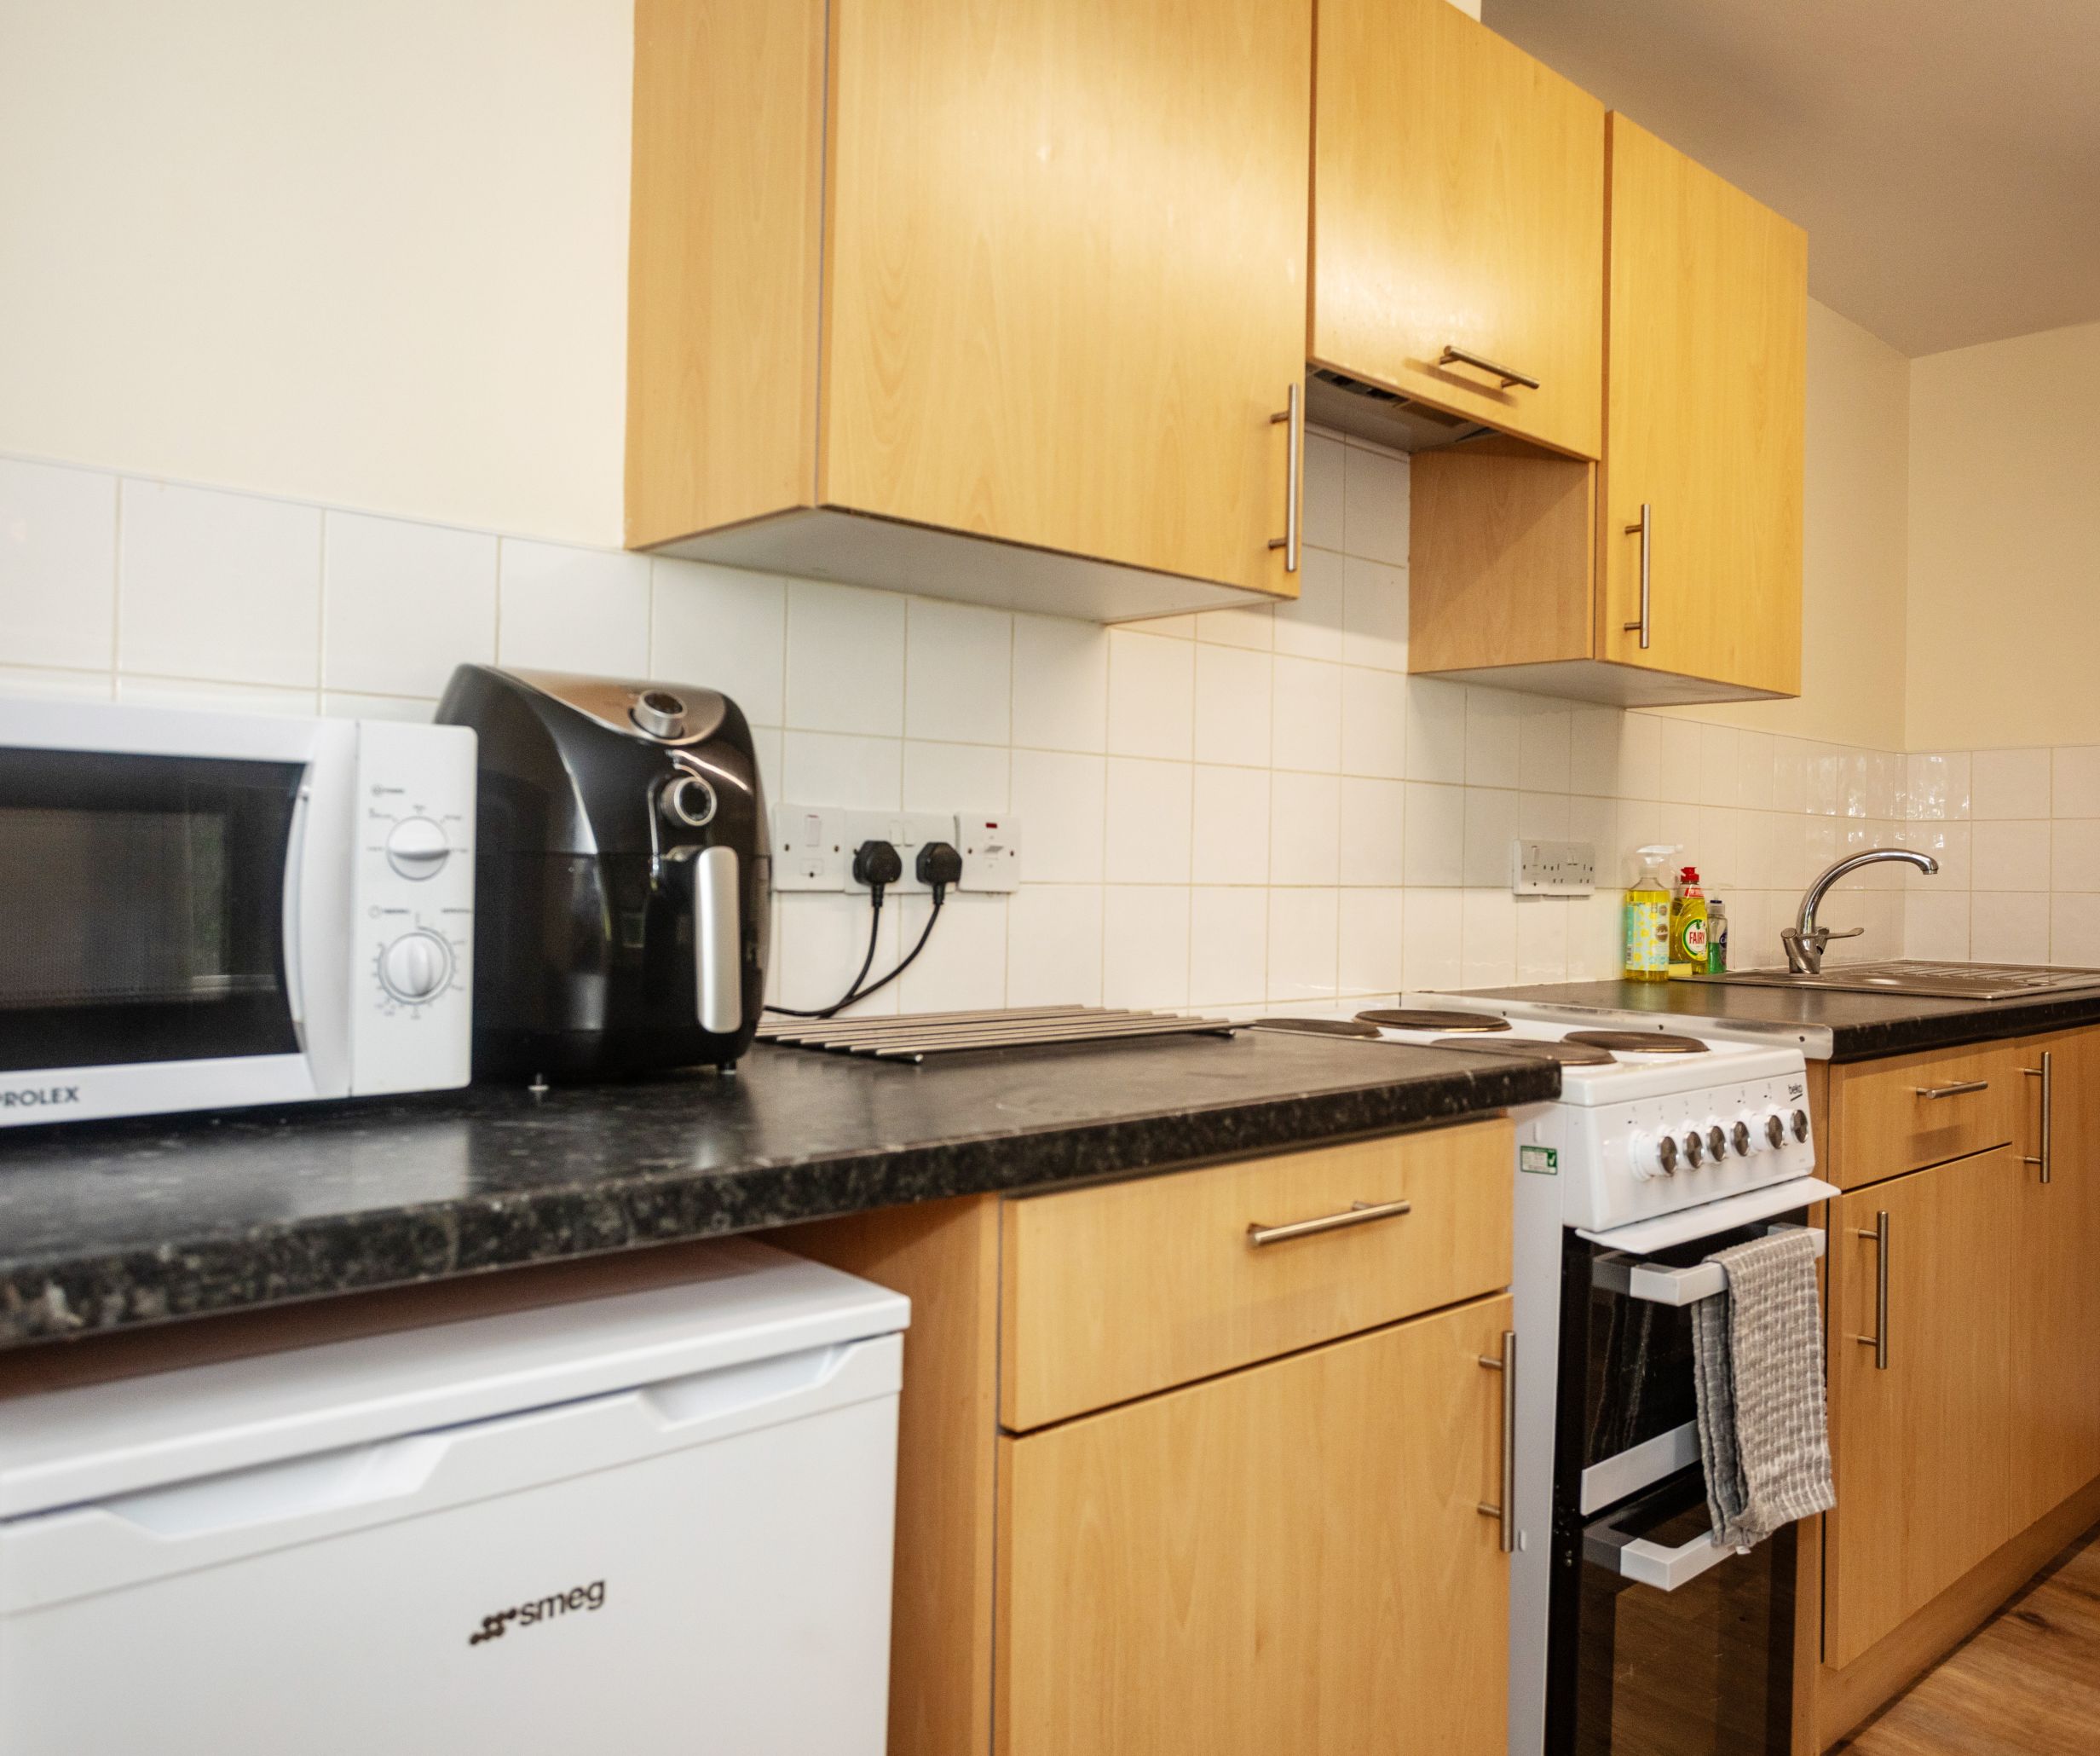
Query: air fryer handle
x=718, y=979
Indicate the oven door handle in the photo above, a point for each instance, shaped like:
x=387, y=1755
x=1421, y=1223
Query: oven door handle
x=1647, y=1564
x=1659, y=1284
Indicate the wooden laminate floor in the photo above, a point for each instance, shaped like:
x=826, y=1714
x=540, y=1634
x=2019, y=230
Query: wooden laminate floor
x=2026, y=1683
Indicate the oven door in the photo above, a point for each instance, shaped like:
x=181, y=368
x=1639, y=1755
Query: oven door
x=1658, y=1640
x=1686, y=1648
x=152, y=951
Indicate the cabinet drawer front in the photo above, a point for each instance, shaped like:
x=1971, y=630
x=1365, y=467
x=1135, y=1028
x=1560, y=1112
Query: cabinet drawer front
x=1915, y=1110
x=1118, y=1291
x=1291, y=1558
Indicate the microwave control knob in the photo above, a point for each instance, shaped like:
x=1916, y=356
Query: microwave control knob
x=1775, y=1130
x=416, y=967
x=1801, y=1126
x=418, y=848
x=1653, y=1156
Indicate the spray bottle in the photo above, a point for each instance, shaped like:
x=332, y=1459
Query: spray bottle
x=1647, y=919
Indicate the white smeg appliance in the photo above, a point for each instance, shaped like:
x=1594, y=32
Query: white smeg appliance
x=208, y=909
x=1630, y=1630
x=656, y=1521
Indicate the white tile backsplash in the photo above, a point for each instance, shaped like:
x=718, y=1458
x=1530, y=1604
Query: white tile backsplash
x=1240, y=809
x=58, y=565
x=403, y=602
x=561, y=609
x=218, y=587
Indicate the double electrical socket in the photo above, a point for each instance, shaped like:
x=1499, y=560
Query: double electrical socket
x=1552, y=867
x=813, y=846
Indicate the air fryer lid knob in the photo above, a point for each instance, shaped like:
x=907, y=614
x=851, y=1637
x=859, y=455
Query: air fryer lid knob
x=659, y=712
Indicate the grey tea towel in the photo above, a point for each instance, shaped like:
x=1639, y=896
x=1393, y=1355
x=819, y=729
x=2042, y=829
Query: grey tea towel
x=1757, y=1358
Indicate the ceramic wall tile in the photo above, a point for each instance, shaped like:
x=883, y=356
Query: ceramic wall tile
x=58, y=565
x=1060, y=684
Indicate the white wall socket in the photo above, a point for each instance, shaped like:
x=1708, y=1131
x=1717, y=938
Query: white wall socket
x=991, y=853
x=810, y=848
x=1552, y=867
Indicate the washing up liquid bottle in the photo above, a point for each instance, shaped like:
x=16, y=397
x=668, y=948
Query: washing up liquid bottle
x=1647, y=919
x=1688, y=925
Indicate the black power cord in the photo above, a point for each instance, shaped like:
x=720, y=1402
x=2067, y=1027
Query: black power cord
x=877, y=865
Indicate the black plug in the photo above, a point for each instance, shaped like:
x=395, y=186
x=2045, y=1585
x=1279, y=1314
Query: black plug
x=939, y=865
x=878, y=865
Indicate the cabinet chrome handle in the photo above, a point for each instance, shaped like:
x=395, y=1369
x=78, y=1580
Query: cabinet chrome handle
x=1506, y=1513
x=1293, y=416
x=1932, y=1093
x=1646, y=527
x=2047, y=1074
x=1357, y=1213
x=1508, y=374
x=1879, y=1340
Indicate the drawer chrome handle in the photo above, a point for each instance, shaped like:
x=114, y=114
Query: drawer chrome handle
x=1879, y=1340
x=1506, y=1513
x=1932, y=1093
x=1358, y=1213
x=2047, y=1074
x=1508, y=374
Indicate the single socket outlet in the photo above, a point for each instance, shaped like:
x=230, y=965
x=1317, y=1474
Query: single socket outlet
x=1552, y=867
x=991, y=852
x=810, y=848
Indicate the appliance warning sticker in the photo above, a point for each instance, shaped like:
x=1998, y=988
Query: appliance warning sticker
x=1540, y=1161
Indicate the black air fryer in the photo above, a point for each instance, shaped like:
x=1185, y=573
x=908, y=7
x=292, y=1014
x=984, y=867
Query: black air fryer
x=621, y=879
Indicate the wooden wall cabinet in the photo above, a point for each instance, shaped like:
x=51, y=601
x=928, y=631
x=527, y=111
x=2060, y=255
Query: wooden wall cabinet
x=1672, y=570
x=1162, y=1488
x=993, y=303
x=1457, y=204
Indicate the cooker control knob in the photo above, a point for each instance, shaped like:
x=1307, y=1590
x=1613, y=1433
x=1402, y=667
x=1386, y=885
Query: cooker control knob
x=418, y=848
x=1694, y=1148
x=1775, y=1131
x=1716, y=1143
x=1653, y=1156
x=1743, y=1137
x=416, y=967
x=1801, y=1125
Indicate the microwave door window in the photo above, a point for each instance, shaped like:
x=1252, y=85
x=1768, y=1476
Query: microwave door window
x=143, y=901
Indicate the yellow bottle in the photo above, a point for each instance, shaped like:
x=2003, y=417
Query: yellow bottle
x=1688, y=925
x=1647, y=919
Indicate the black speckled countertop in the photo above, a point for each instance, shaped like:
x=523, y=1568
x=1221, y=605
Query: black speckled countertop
x=104, y=1226
x=1824, y=1025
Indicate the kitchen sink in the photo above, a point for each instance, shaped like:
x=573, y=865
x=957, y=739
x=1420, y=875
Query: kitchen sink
x=1939, y=981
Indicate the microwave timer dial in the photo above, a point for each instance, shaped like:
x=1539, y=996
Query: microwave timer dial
x=418, y=848
x=415, y=967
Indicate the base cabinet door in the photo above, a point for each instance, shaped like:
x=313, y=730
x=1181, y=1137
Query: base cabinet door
x=1289, y=1558
x=1921, y=1395
x=2055, y=1339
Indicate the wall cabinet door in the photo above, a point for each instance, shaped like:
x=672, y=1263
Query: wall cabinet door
x=1457, y=202
x=910, y=280
x=2055, y=1339
x=1707, y=322
x=1922, y=1446
x=1289, y=1557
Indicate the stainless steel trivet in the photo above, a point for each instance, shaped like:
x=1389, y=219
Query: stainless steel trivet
x=912, y=1036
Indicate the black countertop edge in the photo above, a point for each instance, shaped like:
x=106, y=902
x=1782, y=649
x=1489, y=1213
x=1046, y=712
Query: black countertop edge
x=50, y=1293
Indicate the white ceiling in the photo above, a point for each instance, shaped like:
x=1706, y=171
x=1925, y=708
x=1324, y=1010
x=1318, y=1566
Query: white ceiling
x=1944, y=155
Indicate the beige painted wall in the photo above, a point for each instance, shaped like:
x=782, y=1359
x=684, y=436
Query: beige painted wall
x=371, y=254
x=1853, y=541
x=2004, y=523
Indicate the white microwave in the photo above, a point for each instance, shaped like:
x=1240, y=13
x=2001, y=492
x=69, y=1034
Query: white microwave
x=200, y=910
